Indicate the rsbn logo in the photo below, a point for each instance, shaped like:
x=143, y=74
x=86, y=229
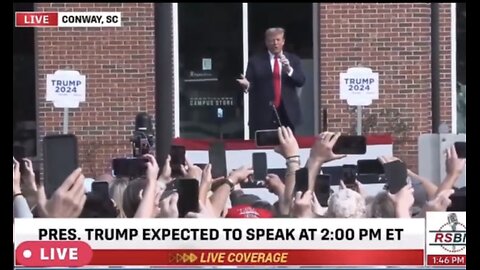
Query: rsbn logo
x=452, y=236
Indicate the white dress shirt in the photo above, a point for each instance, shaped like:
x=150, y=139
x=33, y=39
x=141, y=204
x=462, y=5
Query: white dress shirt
x=272, y=59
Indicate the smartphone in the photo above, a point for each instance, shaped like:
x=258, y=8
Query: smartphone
x=267, y=137
x=350, y=144
x=177, y=158
x=101, y=188
x=187, y=196
x=259, y=162
x=129, y=167
x=459, y=201
x=19, y=154
x=349, y=174
x=201, y=165
x=396, y=174
x=217, y=157
x=369, y=166
x=301, y=180
x=60, y=159
x=461, y=149
x=322, y=189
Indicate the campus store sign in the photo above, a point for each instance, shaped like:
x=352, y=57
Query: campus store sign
x=239, y=153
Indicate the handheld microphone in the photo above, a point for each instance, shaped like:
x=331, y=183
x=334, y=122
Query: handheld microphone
x=276, y=114
x=453, y=221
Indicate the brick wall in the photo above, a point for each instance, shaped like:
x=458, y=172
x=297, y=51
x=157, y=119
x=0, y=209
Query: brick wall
x=119, y=65
x=393, y=40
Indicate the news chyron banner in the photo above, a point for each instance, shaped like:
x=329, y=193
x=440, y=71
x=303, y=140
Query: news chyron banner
x=446, y=235
x=67, y=19
x=211, y=242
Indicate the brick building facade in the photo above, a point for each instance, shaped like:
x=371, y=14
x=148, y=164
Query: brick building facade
x=393, y=39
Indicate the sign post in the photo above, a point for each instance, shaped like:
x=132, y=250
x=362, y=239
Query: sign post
x=65, y=120
x=66, y=89
x=359, y=120
x=359, y=86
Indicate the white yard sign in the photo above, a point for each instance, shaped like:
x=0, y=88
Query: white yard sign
x=359, y=86
x=66, y=88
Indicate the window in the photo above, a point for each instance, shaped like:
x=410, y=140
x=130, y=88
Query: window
x=24, y=97
x=461, y=68
x=210, y=60
x=213, y=40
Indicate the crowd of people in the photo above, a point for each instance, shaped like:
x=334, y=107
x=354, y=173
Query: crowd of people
x=156, y=194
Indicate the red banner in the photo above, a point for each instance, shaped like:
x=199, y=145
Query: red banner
x=258, y=257
x=447, y=260
x=125, y=257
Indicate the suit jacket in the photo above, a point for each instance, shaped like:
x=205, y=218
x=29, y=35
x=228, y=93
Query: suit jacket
x=260, y=75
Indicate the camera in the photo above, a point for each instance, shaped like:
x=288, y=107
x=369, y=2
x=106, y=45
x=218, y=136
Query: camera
x=143, y=137
x=142, y=143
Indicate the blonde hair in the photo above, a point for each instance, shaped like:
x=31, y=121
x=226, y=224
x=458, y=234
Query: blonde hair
x=116, y=190
x=382, y=206
x=274, y=31
x=346, y=203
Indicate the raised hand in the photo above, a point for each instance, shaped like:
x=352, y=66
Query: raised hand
x=321, y=150
x=274, y=184
x=244, y=83
x=441, y=202
x=191, y=171
x=29, y=176
x=240, y=175
x=67, y=201
x=454, y=165
x=285, y=63
x=168, y=206
x=288, y=144
x=302, y=205
x=152, y=168
x=166, y=174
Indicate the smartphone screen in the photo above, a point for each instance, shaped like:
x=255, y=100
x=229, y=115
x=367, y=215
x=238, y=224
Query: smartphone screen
x=350, y=144
x=129, y=167
x=100, y=188
x=301, y=180
x=267, y=137
x=217, y=157
x=259, y=161
x=370, y=166
x=187, y=196
x=322, y=189
x=349, y=174
x=461, y=149
x=396, y=174
x=177, y=158
x=60, y=159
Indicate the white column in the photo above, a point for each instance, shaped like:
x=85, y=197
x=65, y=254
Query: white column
x=246, y=133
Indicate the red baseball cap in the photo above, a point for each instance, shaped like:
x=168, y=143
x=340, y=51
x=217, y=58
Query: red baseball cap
x=247, y=211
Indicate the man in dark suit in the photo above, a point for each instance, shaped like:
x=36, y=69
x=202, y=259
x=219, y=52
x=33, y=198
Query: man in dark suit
x=271, y=81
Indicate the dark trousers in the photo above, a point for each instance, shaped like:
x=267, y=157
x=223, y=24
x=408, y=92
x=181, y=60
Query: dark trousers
x=273, y=123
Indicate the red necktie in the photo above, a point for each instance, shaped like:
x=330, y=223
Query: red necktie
x=277, y=90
